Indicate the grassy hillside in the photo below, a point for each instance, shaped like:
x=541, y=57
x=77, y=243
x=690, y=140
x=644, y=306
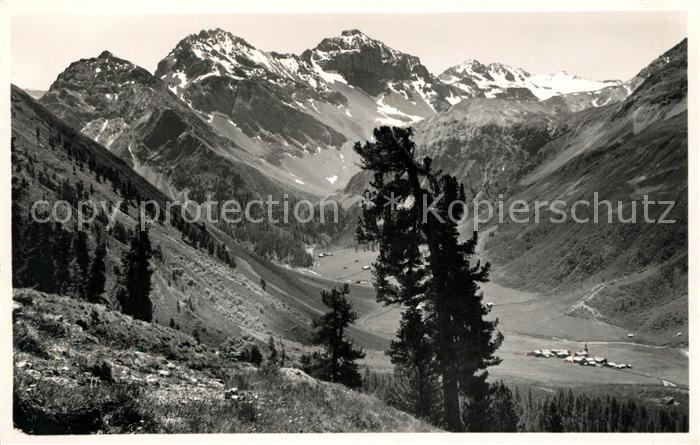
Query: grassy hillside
x=630, y=274
x=81, y=368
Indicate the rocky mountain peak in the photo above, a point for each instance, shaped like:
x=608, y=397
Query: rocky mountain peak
x=365, y=62
x=104, y=70
x=351, y=32
x=215, y=37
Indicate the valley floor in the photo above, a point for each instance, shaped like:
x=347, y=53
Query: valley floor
x=529, y=322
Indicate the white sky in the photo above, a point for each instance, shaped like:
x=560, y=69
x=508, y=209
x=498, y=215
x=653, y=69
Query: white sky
x=596, y=45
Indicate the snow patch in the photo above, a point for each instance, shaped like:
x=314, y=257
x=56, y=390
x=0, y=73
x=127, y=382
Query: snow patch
x=328, y=76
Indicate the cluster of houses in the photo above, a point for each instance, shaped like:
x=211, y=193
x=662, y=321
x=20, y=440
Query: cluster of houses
x=580, y=358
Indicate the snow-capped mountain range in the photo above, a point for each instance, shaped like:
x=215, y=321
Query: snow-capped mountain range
x=296, y=117
x=498, y=80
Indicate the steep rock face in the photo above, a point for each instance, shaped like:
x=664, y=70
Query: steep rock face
x=217, y=72
x=131, y=112
x=487, y=143
x=101, y=96
x=364, y=62
x=377, y=69
x=301, y=114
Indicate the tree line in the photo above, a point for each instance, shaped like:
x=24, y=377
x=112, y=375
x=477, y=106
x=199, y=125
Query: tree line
x=518, y=410
x=50, y=258
x=83, y=157
x=567, y=411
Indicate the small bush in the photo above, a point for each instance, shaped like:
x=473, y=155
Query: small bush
x=246, y=411
x=243, y=381
x=50, y=326
x=26, y=339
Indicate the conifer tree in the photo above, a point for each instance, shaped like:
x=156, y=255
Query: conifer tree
x=337, y=363
x=96, y=278
x=62, y=247
x=18, y=231
x=134, y=287
x=413, y=359
x=38, y=270
x=550, y=419
x=429, y=205
x=79, y=264
x=504, y=416
x=272, y=353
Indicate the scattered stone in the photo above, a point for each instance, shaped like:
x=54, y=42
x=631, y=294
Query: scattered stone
x=34, y=374
x=17, y=309
x=231, y=393
x=297, y=376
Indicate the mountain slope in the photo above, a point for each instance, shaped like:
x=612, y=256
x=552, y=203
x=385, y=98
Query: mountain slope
x=487, y=143
x=180, y=150
x=301, y=113
x=378, y=70
x=191, y=287
x=633, y=274
x=131, y=112
x=224, y=300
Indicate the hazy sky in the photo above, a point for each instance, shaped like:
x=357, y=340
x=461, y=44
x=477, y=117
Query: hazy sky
x=597, y=45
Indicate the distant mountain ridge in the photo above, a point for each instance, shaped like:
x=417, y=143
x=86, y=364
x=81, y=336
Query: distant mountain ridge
x=498, y=80
x=292, y=117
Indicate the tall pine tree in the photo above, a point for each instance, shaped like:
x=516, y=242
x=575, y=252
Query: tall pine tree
x=413, y=359
x=95, y=286
x=134, y=287
x=62, y=242
x=414, y=207
x=79, y=264
x=502, y=407
x=337, y=364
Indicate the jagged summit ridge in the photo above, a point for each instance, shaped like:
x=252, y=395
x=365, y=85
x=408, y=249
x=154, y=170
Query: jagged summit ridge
x=295, y=114
x=499, y=80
